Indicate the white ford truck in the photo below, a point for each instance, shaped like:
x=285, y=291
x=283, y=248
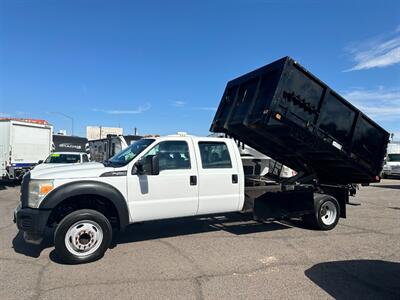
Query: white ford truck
x=281, y=110
x=166, y=177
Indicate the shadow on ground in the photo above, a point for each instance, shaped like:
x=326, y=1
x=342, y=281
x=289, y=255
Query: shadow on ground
x=361, y=279
x=21, y=247
x=388, y=186
x=235, y=223
x=4, y=184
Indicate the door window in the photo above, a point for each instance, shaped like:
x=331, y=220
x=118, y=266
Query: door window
x=173, y=155
x=85, y=158
x=214, y=155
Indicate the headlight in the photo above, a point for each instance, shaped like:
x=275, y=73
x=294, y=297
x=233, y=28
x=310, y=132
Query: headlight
x=38, y=189
x=387, y=167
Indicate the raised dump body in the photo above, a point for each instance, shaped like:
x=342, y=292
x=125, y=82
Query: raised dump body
x=285, y=112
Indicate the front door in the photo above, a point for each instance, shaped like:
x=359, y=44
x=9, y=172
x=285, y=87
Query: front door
x=171, y=193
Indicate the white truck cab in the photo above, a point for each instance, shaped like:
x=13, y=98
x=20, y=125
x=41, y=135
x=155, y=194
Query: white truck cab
x=154, y=178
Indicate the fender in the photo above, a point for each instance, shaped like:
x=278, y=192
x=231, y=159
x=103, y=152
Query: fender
x=87, y=187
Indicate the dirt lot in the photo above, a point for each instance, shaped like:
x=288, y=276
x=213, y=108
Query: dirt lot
x=225, y=256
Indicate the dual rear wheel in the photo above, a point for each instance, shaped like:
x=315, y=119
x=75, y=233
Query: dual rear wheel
x=326, y=213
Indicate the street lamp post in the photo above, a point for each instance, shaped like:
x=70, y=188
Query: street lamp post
x=69, y=117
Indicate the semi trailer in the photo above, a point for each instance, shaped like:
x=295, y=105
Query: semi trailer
x=67, y=143
x=281, y=110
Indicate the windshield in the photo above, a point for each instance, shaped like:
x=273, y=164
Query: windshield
x=126, y=155
x=393, y=157
x=57, y=158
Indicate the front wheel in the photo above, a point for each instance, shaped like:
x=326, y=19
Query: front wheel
x=82, y=236
x=326, y=213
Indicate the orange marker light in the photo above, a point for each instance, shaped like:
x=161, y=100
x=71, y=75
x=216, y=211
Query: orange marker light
x=44, y=189
x=278, y=116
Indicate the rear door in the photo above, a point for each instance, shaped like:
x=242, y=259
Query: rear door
x=219, y=187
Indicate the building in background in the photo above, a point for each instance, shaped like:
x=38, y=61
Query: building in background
x=100, y=132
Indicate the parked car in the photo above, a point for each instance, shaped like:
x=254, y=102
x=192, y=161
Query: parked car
x=57, y=159
x=391, y=168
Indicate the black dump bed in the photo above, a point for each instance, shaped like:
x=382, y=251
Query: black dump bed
x=287, y=113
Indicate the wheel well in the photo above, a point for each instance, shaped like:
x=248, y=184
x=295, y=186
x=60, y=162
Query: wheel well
x=95, y=202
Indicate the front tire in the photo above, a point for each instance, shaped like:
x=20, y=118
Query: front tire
x=326, y=213
x=82, y=236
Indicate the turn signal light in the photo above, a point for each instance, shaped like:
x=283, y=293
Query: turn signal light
x=278, y=116
x=45, y=189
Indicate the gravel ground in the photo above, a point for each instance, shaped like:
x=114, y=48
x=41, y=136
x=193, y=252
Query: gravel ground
x=220, y=257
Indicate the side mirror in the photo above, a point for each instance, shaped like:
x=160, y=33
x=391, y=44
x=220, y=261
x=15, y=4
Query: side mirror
x=40, y=162
x=155, y=165
x=138, y=168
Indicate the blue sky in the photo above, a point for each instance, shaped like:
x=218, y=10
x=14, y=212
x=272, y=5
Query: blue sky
x=162, y=66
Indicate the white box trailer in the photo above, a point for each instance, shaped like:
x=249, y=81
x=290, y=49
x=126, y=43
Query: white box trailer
x=22, y=145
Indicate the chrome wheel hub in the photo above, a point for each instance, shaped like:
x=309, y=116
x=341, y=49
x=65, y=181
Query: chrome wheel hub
x=328, y=212
x=83, y=238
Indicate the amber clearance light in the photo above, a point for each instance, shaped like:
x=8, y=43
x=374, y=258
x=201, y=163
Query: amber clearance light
x=45, y=189
x=278, y=116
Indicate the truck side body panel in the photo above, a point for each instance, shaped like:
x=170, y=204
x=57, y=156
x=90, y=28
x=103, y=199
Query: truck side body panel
x=22, y=145
x=65, y=143
x=4, y=147
x=30, y=143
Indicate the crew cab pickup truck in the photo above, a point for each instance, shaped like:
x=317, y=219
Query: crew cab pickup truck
x=154, y=178
x=281, y=110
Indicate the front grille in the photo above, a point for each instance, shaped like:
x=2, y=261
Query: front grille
x=25, y=223
x=396, y=169
x=25, y=189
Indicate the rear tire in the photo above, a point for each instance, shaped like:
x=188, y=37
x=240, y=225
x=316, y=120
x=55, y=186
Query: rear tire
x=326, y=213
x=82, y=236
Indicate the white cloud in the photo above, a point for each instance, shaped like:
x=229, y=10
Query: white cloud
x=381, y=103
x=377, y=52
x=4, y=115
x=140, y=109
x=178, y=103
